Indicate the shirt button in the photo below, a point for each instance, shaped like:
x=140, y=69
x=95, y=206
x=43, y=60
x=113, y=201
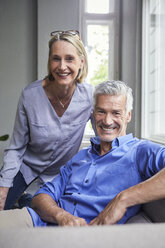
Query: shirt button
x=94, y=163
x=86, y=181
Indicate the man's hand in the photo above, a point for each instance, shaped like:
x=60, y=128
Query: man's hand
x=3, y=195
x=111, y=214
x=67, y=219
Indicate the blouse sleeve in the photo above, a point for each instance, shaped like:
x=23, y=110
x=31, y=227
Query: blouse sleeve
x=13, y=155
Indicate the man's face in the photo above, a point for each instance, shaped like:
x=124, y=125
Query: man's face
x=110, y=116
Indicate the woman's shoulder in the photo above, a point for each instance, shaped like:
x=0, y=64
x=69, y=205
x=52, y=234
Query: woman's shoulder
x=31, y=91
x=85, y=90
x=86, y=86
x=37, y=83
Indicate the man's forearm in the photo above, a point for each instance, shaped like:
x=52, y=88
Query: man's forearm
x=147, y=191
x=49, y=211
x=46, y=208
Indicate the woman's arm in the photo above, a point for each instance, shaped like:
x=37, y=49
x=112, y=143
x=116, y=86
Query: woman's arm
x=13, y=155
x=3, y=195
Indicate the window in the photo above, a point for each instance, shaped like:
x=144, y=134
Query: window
x=100, y=31
x=153, y=72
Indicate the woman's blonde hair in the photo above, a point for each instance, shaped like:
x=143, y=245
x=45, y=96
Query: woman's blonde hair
x=78, y=44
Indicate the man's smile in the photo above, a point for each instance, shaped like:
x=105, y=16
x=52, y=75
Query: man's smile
x=108, y=128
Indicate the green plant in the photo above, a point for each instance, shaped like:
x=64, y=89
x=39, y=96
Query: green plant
x=4, y=137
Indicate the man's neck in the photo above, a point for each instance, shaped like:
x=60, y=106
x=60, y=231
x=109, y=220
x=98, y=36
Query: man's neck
x=105, y=147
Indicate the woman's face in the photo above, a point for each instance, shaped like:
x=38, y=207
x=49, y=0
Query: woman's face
x=64, y=62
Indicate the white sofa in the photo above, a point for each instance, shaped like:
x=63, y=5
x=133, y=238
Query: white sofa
x=140, y=232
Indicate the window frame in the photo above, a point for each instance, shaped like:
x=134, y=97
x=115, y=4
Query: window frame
x=102, y=19
x=145, y=133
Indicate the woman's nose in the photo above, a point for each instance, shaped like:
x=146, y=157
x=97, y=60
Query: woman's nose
x=62, y=65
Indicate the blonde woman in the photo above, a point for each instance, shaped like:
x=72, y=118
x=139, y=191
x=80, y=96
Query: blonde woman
x=50, y=121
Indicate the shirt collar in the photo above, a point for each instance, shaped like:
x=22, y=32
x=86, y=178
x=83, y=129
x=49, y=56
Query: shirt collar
x=95, y=141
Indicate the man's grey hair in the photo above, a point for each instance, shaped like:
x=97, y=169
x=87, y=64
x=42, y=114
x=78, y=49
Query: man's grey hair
x=115, y=88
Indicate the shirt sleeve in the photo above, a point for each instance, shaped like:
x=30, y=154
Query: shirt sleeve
x=56, y=187
x=13, y=155
x=150, y=158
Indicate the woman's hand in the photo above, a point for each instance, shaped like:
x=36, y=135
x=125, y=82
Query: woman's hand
x=3, y=195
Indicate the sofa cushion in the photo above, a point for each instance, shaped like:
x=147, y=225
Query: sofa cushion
x=155, y=210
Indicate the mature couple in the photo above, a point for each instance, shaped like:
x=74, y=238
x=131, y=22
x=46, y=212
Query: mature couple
x=104, y=183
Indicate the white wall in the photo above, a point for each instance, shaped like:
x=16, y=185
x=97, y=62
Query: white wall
x=17, y=57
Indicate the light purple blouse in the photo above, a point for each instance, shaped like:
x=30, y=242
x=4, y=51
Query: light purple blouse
x=42, y=142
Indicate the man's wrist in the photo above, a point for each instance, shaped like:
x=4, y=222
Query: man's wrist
x=125, y=198
x=59, y=215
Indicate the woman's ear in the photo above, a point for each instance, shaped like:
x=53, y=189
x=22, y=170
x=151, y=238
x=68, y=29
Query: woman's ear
x=82, y=62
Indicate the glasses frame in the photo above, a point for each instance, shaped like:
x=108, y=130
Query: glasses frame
x=70, y=32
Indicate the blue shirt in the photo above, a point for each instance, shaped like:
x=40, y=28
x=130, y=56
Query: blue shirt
x=42, y=142
x=89, y=181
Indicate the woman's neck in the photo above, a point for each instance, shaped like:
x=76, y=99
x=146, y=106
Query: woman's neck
x=59, y=91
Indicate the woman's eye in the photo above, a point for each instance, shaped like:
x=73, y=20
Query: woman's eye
x=70, y=58
x=56, y=58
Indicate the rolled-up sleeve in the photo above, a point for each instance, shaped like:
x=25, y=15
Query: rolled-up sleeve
x=56, y=187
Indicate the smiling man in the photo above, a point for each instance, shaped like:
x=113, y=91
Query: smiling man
x=106, y=182
x=111, y=116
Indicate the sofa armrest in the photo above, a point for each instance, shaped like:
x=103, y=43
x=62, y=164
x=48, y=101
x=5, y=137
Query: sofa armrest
x=155, y=210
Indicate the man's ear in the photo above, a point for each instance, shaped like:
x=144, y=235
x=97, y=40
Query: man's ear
x=129, y=115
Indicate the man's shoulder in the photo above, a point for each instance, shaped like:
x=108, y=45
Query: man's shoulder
x=147, y=145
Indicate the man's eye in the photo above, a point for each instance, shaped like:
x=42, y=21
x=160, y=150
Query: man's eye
x=116, y=113
x=100, y=111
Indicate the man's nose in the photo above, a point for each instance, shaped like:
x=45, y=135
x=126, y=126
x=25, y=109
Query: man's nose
x=108, y=119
